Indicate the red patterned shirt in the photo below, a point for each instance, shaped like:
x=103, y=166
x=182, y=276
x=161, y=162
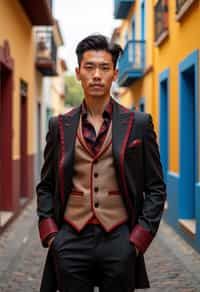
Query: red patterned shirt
x=94, y=142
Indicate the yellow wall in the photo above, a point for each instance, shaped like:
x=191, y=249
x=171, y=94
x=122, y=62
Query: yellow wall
x=18, y=31
x=184, y=38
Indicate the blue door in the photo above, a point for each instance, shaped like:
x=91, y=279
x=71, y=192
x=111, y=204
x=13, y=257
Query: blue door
x=163, y=93
x=187, y=143
x=188, y=124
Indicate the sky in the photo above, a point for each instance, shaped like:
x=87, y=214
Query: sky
x=79, y=18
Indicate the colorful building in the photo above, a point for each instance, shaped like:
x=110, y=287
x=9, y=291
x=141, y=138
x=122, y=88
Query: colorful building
x=159, y=73
x=21, y=77
x=135, y=66
x=49, y=83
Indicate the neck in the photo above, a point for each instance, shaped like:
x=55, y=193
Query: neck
x=96, y=106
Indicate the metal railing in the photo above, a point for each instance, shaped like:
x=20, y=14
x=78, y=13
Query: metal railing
x=161, y=18
x=133, y=58
x=180, y=4
x=46, y=49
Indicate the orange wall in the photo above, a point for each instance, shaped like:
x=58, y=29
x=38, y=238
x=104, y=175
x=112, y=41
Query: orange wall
x=16, y=28
x=184, y=38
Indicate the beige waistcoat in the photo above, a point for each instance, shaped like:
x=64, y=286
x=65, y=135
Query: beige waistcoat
x=95, y=188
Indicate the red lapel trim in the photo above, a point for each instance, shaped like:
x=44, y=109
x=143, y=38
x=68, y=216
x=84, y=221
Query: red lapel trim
x=82, y=142
x=122, y=173
x=103, y=151
x=104, y=147
x=61, y=163
x=82, y=139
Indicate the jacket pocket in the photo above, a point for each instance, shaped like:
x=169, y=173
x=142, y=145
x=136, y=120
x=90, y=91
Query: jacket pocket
x=114, y=192
x=76, y=193
x=134, y=143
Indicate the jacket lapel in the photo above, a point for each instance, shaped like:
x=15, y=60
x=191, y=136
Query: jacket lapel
x=122, y=124
x=68, y=128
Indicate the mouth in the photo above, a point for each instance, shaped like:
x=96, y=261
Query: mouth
x=96, y=85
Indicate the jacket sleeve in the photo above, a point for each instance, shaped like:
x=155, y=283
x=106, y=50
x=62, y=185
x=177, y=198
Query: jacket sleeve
x=46, y=187
x=154, y=192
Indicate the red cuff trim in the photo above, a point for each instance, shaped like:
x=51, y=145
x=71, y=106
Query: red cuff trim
x=141, y=238
x=46, y=227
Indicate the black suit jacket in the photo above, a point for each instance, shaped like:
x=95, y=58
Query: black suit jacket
x=138, y=171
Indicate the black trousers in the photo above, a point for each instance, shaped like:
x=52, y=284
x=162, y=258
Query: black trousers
x=94, y=257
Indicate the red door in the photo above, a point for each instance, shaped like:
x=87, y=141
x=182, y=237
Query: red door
x=6, y=201
x=23, y=143
x=1, y=127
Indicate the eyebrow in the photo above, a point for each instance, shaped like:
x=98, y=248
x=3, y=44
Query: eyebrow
x=93, y=63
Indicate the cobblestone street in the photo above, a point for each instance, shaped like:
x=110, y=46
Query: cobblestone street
x=171, y=267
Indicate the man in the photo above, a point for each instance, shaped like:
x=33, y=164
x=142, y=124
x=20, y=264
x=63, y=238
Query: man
x=101, y=194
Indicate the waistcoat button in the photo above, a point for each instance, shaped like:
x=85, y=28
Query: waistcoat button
x=96, y=204
x=96, y=174
x=96, y=189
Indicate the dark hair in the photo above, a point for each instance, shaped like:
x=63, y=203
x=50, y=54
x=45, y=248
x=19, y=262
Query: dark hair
x=98, y=42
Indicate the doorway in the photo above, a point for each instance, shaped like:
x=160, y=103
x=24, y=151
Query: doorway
x=7, y=204
x=23, y=143
x=164, y=120
x=188, y=157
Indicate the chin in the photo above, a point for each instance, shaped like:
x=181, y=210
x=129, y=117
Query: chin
x=97, y=94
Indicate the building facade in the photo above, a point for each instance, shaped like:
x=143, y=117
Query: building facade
x=21, y=81
x=49, y=83
x=168, y=88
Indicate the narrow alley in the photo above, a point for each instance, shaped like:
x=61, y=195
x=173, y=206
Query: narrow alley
x=172, y=264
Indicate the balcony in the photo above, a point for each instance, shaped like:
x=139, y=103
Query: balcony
x=131, y=63
x=182, y=6
x=38, y=11
x=46, y=53
x=161, y=21
x=121, y=8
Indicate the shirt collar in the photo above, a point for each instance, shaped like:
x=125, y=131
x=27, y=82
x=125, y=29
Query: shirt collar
x=107, y=111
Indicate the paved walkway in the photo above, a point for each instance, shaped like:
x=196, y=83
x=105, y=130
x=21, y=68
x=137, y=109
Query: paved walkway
x=171, y=263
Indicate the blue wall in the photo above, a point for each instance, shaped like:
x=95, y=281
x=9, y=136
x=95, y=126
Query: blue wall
x=183, y=189
x=171, y=213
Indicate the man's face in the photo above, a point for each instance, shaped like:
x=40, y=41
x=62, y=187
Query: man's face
x=96, y=73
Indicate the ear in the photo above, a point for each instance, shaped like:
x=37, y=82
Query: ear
x=77, y=73
x=115, y=76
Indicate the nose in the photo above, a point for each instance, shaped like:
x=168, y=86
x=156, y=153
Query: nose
x=97, y=74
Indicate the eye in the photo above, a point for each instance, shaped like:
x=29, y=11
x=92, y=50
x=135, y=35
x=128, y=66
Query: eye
x=105, y=68
x=88, y=67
